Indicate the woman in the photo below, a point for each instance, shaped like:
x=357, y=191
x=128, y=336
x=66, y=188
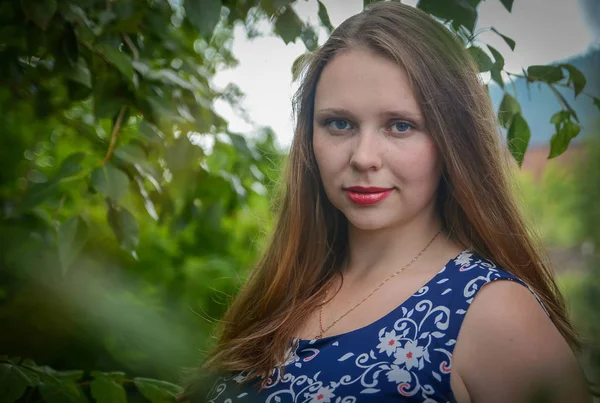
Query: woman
x=397, y=212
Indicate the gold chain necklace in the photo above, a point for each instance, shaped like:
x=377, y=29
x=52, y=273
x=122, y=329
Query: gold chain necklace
x=323, y=330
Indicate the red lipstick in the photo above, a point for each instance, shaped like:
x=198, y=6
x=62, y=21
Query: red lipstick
x=367, y=195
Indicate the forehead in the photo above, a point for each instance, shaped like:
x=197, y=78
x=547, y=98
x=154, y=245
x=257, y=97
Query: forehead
x=363, y=81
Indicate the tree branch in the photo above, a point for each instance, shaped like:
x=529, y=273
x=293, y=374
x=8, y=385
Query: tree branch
x=129, y=42
x=587, y=94
x=113, y=136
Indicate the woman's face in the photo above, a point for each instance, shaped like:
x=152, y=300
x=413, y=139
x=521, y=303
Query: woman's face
x=378, y=164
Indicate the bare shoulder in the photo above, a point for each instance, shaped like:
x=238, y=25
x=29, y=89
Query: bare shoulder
x=508, y=349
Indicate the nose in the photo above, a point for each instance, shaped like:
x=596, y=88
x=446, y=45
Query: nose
x=366, y=154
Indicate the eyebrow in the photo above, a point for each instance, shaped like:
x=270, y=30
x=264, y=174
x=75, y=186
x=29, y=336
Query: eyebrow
x=386, y=114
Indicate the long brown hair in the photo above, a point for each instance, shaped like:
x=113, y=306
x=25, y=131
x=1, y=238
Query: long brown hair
x=475, y=198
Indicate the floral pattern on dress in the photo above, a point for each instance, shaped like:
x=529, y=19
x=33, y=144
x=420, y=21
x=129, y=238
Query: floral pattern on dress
x=405, y=356
x=389, y=343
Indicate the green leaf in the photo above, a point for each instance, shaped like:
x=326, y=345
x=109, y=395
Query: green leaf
x=124, y=226
x=64, y=392
x=511, y=43
x=368, y=2
x=70, y=166
x=120, y=60
x=508, y=108
x=597, y=102
x=106, y=17
x=564, y=102
x=37, y=193
x=549, y=74
x=148, y=203
x=560, y=117
x=182, y=155
x=75, y=15
x=309, y=37
x=498, y=58
x=114, y=376
x=39, y=11
x=105, y=390
x=157, y=391
x=484, y=63
x=61, y=386
x=507, y=4
x=271, y=7
x=58, y=376
x=14, y=381
x=168, y=76
x=110, y=181
x=129, y=21
x=131, y=153
x=68, y=47
x=107, y=104
x=518, y=138
x=141, y=67
x=281, y=3
x=72, y=235
x=203, y=15
x=560, y=140
x=459, y=11
x=240, y=144
x=81, y=73
x=576, y=77
x=161, y=107
x=30, y=364
x=77, y=92
x=497, y=76
x=150, y=133
x=135, y=156
x=324, y=17
x=288, y=26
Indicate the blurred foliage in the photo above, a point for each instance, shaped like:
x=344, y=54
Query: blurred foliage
x=585, y=296
x=60, y=386
x=125, y=200
x=551, y=203
x=563, y=205
x=129, y=212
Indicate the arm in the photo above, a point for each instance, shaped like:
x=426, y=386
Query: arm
x=508, y=350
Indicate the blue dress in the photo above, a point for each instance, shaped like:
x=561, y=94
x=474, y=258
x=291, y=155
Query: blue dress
x=405, y=356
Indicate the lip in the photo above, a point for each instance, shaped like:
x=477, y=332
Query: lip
x=367, y=189
x=367, y=195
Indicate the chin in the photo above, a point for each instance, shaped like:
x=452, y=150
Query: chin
x=368, y=222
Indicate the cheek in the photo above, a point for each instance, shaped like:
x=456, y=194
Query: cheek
x=318, y=149
x=327, y=155
x=430, y=159
x=317, y=145
x=421, y=164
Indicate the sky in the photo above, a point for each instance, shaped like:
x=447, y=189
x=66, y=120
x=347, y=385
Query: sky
x=544, y=30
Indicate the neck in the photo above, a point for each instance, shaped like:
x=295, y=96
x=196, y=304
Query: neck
x=379, y=252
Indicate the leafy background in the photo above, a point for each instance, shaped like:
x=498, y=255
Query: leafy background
x=130, y=213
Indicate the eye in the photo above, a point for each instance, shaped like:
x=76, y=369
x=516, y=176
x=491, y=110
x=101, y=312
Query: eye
x=338, y=124
x=401, y=127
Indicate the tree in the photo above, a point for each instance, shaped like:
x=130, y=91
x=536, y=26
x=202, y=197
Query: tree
x=108, y=127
